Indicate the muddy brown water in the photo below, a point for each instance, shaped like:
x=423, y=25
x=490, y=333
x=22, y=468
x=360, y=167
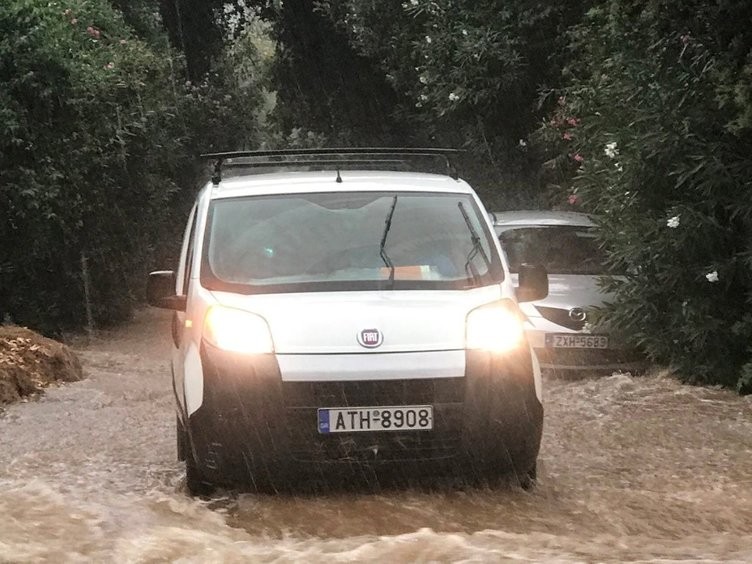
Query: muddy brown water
x=639, y=469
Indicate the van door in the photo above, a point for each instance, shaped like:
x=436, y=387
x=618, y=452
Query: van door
x=179, y=343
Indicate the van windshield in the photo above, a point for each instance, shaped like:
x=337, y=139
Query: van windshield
x=348, y=241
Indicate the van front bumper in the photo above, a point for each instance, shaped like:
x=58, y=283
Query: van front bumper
x=253, y=424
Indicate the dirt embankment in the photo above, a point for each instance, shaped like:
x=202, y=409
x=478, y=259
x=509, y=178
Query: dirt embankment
x=29, y=363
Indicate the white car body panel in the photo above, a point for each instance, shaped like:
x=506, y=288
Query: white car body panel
x=373, y=366
x=193, y=385
x=324, y=181
x=178, y=355
x=329, y=322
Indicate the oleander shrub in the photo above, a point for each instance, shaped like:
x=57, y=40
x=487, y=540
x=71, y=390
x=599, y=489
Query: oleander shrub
x=656, y=122
x=99, y=133
x=422, y=73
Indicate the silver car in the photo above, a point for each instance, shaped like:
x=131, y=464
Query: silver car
x=559, y=326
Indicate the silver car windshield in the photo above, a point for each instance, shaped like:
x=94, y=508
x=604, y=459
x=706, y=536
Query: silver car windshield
x=348, y=241
x=561, y=249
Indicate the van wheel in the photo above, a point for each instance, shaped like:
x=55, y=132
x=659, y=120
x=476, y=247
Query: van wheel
x=195, y=482
x=182, y=439
x=529, y=479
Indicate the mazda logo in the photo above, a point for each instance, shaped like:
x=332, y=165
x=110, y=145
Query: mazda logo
x=370, y=338
x=577, y=314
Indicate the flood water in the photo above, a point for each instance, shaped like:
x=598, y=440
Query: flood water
x=630, y=469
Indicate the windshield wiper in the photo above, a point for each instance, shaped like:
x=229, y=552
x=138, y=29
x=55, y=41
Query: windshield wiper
x=382, y=251
x=477, y=247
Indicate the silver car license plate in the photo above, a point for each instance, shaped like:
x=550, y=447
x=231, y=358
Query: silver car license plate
x=576, y=341
x=377, y=418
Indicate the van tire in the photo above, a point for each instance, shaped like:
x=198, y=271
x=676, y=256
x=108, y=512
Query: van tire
x=195, y=482
x=181, y=439
x=529, y=479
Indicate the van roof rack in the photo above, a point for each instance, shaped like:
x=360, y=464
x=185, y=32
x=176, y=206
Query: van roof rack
x=380, y=158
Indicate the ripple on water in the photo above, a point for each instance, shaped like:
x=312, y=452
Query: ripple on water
x=631, y=469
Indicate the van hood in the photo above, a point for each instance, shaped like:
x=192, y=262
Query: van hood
x=335, y=322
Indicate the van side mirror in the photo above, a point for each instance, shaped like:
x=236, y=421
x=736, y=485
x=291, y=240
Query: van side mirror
x=533, y=283
x=160, y=291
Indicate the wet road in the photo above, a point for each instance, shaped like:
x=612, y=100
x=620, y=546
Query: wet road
x=630, y=469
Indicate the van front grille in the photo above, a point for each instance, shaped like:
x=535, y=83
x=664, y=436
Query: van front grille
x=374, y=392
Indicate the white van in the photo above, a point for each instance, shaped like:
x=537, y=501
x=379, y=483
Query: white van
x=342, y=316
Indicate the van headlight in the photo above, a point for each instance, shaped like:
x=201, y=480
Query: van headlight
x=239, y=331
x=496, y=327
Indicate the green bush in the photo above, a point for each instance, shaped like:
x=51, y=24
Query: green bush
x=470, y=74
x=658, y=114
x=98, y=141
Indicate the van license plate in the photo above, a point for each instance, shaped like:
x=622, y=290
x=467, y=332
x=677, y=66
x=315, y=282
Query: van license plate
x=378, y=418
x=575, y=341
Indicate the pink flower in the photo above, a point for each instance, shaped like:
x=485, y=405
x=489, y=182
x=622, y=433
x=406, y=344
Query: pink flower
x=578, y=157
x=68, y=12
x=685, y=39
x=74, y=21
x=573, y=199
x=567, y=136
x=110, y=65
x=574, y=122
x=93, y=32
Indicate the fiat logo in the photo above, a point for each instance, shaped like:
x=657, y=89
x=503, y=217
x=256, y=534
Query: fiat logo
x=577, y=314
x=370, y=338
